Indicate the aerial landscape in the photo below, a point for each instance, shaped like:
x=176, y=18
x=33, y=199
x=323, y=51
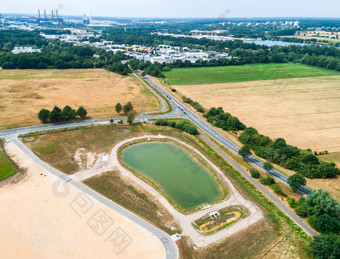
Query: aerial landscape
x=170, y=129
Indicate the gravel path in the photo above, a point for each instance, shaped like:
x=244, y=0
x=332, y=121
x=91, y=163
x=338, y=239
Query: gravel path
x=233, y=198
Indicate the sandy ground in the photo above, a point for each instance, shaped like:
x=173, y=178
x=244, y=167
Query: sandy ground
x=234, y=197
x=38, y=220
x=24, y=92
x=304, y=111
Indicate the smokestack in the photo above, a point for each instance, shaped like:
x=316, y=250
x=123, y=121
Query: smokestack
x=52, y=15
x=45, y=15
x=39, y=15
x=56, y=13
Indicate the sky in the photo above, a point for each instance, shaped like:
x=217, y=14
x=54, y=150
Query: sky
x=179, y=8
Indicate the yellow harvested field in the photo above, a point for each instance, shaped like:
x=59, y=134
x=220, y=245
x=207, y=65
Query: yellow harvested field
x=304, y=111
x=24, y=92
x=42, y=218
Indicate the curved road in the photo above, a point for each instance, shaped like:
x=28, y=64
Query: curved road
x=178, y=111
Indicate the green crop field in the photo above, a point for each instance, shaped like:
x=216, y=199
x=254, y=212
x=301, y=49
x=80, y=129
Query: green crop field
x=224, y=74
x=6, y=168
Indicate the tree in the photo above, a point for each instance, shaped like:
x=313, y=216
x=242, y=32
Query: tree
x=310, y=160
x=130, y=118
x=81, y=112
x=118, y=108
x=321, y=202
x=301, y=211
x=43, y=115
x=267, y=166
x=244, y=151
x=55, y=115
x=254, y=173
x=191, y=130
x=129, y=104
x=326, y=246
x=295, y=181
x=325, y=223
x=127, y=108
x=68, y=113
x=143, y=74
x=267, y=181
x=111, y=121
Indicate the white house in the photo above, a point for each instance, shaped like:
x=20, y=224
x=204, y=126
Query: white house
x=18, y=50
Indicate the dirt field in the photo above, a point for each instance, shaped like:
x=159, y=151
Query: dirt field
x=304, y=111
x=45, y=222
x=24, y=92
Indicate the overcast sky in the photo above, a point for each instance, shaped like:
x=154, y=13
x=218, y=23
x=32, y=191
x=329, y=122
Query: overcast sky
x=179, y=8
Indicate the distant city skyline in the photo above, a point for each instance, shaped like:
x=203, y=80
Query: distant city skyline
x=179, y=9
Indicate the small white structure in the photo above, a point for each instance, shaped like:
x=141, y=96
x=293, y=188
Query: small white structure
x=175, y=237
x=105, y=158
x=18, y=50
x=214, y=214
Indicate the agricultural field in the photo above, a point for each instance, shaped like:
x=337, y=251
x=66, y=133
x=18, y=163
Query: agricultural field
x=225, y=74
x=24, y=92
x=304, y=111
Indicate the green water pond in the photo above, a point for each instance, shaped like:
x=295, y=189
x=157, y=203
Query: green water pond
x=182, y=178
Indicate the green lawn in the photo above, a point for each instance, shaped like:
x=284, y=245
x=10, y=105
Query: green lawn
x=224, y=74
x=6, y=168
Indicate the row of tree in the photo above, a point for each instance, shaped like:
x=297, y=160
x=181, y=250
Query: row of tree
x=198, y=107
x=323, y=213
x=179, y=125
x=287, y=156
x=223, y=120
x=58, y=115
x=321, y=210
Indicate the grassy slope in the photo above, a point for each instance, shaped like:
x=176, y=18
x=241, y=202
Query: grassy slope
x=6, y=168
x=111, y=185
x=206, y=75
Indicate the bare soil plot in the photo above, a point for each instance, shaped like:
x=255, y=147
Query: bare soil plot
x=304, y=111
x=38, y=221
x=24, y=92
